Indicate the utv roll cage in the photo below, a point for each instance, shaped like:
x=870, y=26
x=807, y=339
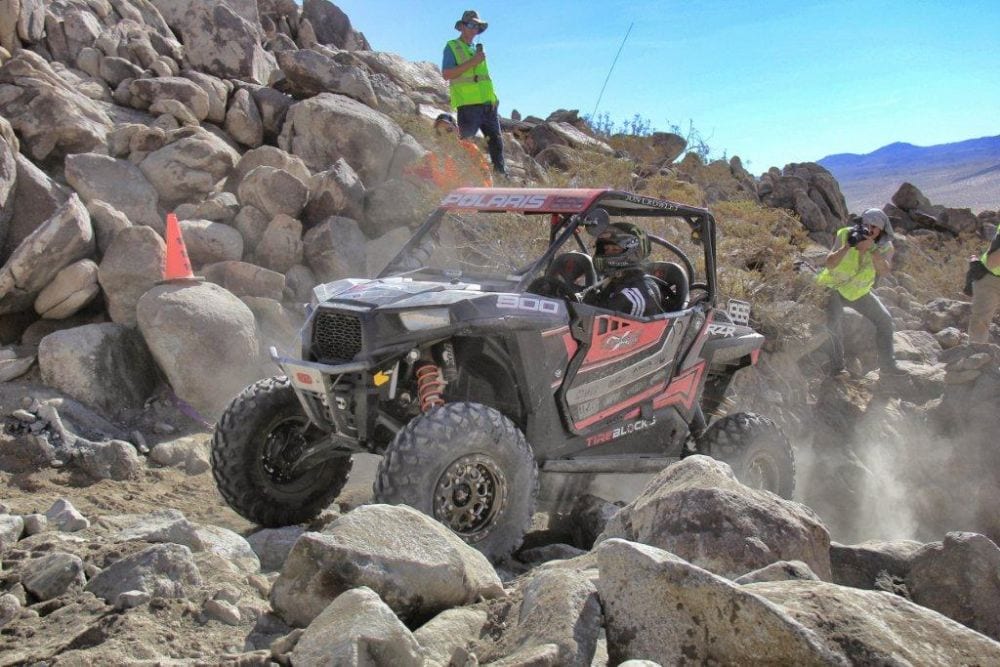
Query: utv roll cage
x=569, y=210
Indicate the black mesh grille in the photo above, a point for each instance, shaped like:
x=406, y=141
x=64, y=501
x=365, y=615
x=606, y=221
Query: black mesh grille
x=336, y=336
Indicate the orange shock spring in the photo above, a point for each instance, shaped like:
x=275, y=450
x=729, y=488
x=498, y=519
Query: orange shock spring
x=429, y=386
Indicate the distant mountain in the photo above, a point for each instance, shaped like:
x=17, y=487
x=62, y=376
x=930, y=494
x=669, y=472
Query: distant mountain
x=964, y=174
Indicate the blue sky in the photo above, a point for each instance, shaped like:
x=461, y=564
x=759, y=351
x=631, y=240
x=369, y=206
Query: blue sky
x=771, y=81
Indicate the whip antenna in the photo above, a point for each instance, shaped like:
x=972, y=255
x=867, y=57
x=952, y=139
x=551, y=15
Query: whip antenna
x=593, y=116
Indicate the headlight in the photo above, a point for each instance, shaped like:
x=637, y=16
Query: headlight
x=430, y=318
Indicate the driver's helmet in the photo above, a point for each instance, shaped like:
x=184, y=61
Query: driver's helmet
x=621, y=246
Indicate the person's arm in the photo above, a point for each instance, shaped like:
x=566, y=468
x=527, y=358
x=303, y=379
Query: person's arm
x=882, y=260
x=457, y=70
x=836, y=256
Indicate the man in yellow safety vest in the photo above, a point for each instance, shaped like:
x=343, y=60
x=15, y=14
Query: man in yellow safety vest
x=860, y=254
x=472, y=94
x=986, y=294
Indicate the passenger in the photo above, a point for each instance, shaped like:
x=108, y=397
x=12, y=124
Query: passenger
x=620, y=253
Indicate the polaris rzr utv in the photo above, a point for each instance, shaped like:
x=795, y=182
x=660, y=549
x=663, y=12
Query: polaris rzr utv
x=471, y=365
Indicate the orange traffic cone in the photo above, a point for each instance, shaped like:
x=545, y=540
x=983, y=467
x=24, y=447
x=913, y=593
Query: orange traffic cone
x=178, y=265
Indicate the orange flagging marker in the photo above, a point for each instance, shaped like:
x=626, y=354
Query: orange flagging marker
x=178, y=265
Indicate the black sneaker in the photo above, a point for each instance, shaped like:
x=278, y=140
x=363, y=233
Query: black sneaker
x=891, y=369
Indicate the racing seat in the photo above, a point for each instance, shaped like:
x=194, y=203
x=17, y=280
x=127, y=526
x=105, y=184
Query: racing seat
x=673, y=283
x=569, y=273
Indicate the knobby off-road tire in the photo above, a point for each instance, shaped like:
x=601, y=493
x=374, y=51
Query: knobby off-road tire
x=469, y=467
x=755, y=448
x=254, y=441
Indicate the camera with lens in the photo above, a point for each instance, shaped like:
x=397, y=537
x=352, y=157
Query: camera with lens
x=858, y=233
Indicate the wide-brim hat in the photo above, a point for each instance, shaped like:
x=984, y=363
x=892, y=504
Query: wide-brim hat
x=471, y=16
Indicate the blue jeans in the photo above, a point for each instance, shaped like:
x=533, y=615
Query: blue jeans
x=870, y=307
x=475, y=117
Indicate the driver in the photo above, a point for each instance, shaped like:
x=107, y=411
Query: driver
x=621, y=250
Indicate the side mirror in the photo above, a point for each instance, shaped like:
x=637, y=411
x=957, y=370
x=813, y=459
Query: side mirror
x=596, y=221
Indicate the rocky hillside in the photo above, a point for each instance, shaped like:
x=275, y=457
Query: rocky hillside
x=963, y=173
x=284, y=144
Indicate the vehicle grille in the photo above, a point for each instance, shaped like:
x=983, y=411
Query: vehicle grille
x=336, y=336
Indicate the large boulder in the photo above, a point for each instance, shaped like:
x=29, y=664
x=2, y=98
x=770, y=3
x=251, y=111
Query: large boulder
x=867, y=564
x=132, y=264
x=697, y=510
x=52, y=575
x=36, y=199
x=217, y=91
x=451, y=630
x=273, y=105
x=51, y=117
x=335, y=249
x=556, y=607
x=63, y=239
x=244, y=279
x=273, y=191
x=280, y=248
x=266, y=156
x=308, y=72
x=357, y=628
x=209, y=242
x=877, y=628
x=148, y=92
x=423, y=78
x=8, y=175
x=365, y=138
x=332, y=26
x=162, y=570
x=220, y=42
x=175, y=12
x=414, y=563
x=189, y=168
x=106, y=366
x=118, y=183
x=660, y=607
x=960, y=578
x=72, y=289
x=810, y=191
x=243, y=121
x=203, y=338
x=563, y=134
x=336, y=191
x=392, y=204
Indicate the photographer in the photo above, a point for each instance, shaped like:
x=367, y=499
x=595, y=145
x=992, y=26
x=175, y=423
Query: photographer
x=986, y=294
x=860, y=254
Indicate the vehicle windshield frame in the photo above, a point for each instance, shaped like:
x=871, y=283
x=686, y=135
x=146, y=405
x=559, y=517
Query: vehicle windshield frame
x=566, y=219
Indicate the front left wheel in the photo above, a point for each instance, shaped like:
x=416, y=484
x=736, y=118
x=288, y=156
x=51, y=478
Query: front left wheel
x=257, y=443
x=470, y=468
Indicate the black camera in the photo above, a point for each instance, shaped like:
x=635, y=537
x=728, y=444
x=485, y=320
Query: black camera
x=858, y=233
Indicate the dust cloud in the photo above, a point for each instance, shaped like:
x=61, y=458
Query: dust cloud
x=898, y=478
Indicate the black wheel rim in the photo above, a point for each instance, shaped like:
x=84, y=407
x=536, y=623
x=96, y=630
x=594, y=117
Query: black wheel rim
x=470, y=495
x=762, y=472
x=284, y=443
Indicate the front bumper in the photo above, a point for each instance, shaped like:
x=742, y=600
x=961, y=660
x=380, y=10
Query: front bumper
x=332, y=395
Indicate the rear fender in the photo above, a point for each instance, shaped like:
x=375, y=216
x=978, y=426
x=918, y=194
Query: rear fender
x=731, y=344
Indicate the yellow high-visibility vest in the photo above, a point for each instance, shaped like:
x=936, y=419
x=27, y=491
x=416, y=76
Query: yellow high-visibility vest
x=474, y=85
x=854, y=276
x=994, y=271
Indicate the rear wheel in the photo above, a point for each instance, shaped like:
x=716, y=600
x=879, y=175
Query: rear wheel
x=756, y=449
x=257, y=443
x=469, y=467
